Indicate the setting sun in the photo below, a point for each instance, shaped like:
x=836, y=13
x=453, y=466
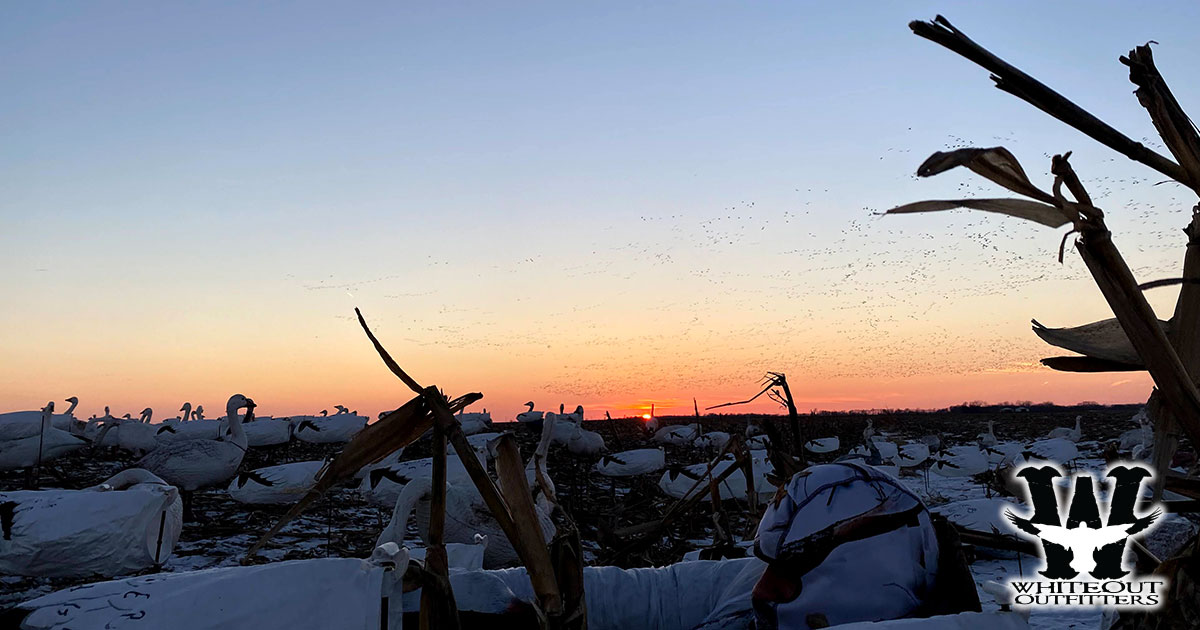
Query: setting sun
x=645, y=416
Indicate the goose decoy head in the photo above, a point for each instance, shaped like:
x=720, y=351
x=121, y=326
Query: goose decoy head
x=324, y=412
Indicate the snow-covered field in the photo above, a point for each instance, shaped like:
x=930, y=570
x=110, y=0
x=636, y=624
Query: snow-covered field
x=345, y=525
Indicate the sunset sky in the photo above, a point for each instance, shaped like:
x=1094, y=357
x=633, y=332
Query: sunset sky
x=611, y=204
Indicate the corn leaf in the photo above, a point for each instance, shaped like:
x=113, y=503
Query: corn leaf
x=1029, y=210
x=1104, y=340
x=996, y=164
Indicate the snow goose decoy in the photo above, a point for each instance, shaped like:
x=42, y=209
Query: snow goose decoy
x=193, y=464
x=1063, y=432
x=912, y=454
x=473, y=423
x=268, y=431
x=460, y=555
x=66, y=421
x=822, y=445
x=1057, y=450
x=31, y=450
x=989, y=438
x=631, y=463
x=335, y=429
x=712, y=440
x=677, y=435
x=282, y=484
x=531, y=415
x=960, y=461
x=381, y=484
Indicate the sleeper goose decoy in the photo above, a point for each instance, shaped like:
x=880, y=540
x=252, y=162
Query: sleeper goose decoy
x=126, y=524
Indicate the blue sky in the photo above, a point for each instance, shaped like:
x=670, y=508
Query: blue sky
x=604, y=203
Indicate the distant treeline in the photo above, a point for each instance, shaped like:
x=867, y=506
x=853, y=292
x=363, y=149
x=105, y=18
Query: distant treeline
x=979, y=407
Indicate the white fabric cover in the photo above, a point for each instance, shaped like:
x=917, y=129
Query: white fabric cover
x=81, y=533
x=341, y=593
x=676, y=597
x=896, y=566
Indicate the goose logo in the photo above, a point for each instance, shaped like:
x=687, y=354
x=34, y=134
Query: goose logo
x=1084, y=554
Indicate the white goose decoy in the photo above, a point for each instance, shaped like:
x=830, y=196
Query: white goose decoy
x=758, y=442
x=1142, y=451
x=585, y=443
x=381, y=485
x=960, y=461
x=278, y=485
x=575, y=416
x=631, y=463
x=15, y=425
x=335, y=429
x=912, y=454
x=1143, y=433
x=187, y=416
x=822, y=445
x=1058, y=450
x=136, y=436
x=193, y=464
x=1063, y=432
x=531, y=415
x=887, y=451
x=29, y=451
x=473, y=423
x=712, y=439
x=676, y=482
x=467, y=556
x=566, y=431
x=66, y=420
x=677, y=435
x=537, y=462
x=998, y=453
x=129, y=523
x=197, y=428
x=989, y=438
x=467, y=515
x=268, y=431
x=387, y=460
